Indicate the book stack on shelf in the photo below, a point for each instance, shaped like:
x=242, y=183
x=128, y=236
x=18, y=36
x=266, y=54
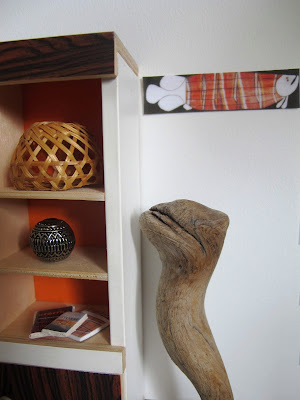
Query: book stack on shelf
x=64, y=322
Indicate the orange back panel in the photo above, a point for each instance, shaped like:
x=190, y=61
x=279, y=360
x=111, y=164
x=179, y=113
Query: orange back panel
x=77, y=102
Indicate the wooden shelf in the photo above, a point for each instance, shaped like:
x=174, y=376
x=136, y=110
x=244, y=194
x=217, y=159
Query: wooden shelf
x=83, y=263
x=18, y=332
x=19, y=329
x=87, y=193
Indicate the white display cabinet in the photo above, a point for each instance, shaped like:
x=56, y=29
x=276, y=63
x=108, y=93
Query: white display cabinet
x=93, y=80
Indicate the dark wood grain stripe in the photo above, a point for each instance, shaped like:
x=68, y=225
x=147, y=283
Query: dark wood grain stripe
x=33, y=383
x=56, y=58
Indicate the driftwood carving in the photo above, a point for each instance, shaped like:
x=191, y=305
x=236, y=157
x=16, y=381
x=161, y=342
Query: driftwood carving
x=189, y=238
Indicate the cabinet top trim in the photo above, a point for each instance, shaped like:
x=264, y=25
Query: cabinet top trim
x=71, y=57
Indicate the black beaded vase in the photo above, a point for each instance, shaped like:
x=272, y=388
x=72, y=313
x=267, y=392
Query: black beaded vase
x=52, y=240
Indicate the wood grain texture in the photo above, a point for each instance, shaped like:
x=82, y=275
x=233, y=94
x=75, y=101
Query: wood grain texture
x=57, y=58
x=18, y=331
x=85, y=193
x=85, y=262
x=33, y=383
x=189, y=238
x=11, y=127
x=16, y=294
x=121, y=49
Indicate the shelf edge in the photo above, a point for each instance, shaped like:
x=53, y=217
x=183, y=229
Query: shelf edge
x=33, y=266
x=90, y=194
x=58, y=357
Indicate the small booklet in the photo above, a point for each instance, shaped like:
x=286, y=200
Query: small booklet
x=94, y=324
x=65, y=324
x=45, y=317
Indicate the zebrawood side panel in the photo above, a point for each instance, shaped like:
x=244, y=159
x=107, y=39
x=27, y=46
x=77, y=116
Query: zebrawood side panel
x=57, y=58
x=32, y=383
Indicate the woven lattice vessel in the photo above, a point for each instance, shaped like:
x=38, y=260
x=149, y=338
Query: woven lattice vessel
x=55, y=156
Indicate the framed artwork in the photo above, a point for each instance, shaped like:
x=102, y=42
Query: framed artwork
x=227, y=91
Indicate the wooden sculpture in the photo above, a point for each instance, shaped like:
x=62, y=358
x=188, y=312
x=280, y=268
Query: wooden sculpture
x=189, y=238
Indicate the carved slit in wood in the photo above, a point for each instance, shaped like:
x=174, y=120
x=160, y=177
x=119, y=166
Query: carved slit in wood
x=189, y=238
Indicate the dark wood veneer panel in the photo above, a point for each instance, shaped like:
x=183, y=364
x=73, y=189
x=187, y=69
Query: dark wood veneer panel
x=56, y=58
x=33, y=383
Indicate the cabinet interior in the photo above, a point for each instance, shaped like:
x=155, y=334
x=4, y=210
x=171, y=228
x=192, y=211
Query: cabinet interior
x=28, y=284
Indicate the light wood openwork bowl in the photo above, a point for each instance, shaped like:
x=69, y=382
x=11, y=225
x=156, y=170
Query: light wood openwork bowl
x=55, y=156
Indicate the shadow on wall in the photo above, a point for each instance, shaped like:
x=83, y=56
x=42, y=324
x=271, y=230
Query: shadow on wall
x=136, y=236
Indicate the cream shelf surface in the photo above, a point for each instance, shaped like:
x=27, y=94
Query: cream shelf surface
x=83, y=263
x=109, y=358
x=86, y=193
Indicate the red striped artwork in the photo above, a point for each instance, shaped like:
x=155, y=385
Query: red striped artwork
x=223, y=91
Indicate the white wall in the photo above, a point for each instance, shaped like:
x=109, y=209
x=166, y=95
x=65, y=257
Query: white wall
x=243, y=163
